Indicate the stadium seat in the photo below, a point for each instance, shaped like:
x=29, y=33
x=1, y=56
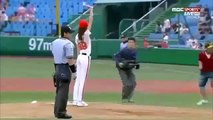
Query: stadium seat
x=80, y=7
x=45, y=11
x=155, y=36
x=75, y=9
x=194, y=30
x=193, y=4
x=192, y=21
x=209, y=37
x=173, y=36
x=178, y=46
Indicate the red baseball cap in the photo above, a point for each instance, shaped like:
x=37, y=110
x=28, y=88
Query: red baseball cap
x=83, y=23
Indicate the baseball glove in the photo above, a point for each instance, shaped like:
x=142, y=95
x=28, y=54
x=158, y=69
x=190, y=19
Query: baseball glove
x=128, y=64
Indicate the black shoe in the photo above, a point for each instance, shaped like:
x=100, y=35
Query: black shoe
x=65, y=116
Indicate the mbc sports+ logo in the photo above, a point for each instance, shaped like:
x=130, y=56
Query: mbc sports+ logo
x=189, y=11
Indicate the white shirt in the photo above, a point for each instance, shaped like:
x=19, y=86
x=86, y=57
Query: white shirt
x=87, y=39
x=22, y=10
x=29, y=17
x=3, y=17
x=166, y=38
x=167, y=23
x=183, y=29
x=123, y=45
x=62, y=50
x=189, y=43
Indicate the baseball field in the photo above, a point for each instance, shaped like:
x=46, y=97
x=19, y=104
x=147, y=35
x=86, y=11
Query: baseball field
x=163, y=92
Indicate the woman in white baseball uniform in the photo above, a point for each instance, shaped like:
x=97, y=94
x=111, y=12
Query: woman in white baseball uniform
x=83, y=42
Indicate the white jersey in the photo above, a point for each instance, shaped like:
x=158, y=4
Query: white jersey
x=123, y=45
x=83, y=66
x=87, y=40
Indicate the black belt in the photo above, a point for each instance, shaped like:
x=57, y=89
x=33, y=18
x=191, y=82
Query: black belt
x=83, y=53
x=61, y=64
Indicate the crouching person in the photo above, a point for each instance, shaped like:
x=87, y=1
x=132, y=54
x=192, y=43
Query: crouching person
x=125, y=62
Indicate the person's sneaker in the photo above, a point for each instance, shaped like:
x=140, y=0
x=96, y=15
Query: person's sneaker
x=131, y=101
x=82, y=104
x=125, y=100
x=201, y=102
x=65, y=116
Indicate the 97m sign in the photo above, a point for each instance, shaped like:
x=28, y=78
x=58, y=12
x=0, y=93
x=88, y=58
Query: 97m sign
x=38, y=44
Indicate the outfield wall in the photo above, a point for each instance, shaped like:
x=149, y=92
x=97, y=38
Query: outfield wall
x=102, y=48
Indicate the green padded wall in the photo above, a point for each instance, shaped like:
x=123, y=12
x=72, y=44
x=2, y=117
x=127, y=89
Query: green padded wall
x=101, y=48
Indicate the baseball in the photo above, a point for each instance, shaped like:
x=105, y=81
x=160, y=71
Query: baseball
x=33, y=102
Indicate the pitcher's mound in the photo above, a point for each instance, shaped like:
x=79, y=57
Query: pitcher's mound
x=103, y=111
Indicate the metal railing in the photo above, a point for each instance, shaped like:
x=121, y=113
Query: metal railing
x=124, y=23
x=78, y=18
x=144, y=16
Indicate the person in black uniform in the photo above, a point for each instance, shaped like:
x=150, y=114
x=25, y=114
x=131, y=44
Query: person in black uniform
x=63, y=52
x=125, y=62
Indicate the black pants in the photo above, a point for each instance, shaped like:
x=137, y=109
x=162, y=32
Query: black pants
x=128, y=81
x=61, y=98
x=62, y=89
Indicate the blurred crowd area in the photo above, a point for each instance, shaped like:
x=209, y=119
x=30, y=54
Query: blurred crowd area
x=192, y=31
x=25, y=12
x=37, y=17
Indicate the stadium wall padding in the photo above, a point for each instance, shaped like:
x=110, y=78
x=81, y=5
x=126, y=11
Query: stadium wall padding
x=101, y=48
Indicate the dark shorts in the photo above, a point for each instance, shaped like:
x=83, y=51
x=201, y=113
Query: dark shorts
x=204, y=77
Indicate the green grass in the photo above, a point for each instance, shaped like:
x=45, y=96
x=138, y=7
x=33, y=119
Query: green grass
x=100, y=69
x=174, y=100
x=16, y=97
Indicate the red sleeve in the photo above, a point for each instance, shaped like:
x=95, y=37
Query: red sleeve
x=200, y=56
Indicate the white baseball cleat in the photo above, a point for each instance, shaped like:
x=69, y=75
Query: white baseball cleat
x=201, y=102
x=74, y=103
x=69, y=103
x=82, y=104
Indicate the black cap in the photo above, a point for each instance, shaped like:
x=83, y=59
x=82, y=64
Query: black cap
x=66, y=29
x=123, y=36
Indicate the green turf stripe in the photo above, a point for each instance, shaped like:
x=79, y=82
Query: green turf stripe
x=100, y=69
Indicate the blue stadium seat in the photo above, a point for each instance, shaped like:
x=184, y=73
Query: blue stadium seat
x=8, y=28
x=173, y=36
x=178, y=46
x=209, y=3
x=75, y=9
x=45, y=11
x=155, y=35
x=194, y=30
x=209, y=37
x=91, y=2
x=80, y=7
x=193, y=4
x=192, y=21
